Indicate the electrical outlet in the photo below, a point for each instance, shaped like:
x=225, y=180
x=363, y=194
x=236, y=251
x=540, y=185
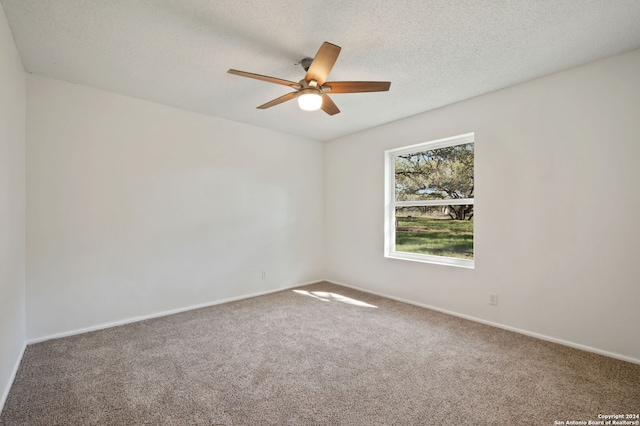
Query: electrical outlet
x=493, y=299
x=264, y=275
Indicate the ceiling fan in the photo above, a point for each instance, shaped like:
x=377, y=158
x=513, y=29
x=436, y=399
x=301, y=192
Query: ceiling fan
x=312, y=90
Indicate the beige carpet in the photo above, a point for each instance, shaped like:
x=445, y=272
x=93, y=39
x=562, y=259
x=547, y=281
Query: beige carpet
x=321, y=355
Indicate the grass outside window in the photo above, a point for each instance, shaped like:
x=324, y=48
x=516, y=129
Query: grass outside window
x=434, y=235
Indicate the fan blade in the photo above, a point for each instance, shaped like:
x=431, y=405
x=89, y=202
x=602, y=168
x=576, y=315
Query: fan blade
x=266, y=78
x=279, y=100
x=323, y=63
x=357, y=86
x=328, y=106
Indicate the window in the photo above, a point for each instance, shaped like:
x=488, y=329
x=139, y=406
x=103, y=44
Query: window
x=429, y=202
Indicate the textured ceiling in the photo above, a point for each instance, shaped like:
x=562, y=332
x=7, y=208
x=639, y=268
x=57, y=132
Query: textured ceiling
x=435, y=52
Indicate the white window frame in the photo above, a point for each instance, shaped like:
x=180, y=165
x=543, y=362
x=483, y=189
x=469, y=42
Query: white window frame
x=391, y=203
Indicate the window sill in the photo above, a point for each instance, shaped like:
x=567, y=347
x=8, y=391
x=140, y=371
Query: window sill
x=437, y=260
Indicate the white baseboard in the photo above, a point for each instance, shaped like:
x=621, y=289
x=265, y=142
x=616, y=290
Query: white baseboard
x=494, y=324
x=12, y=377
x=161, y=314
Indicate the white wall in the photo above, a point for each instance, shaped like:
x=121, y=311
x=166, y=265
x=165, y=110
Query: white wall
x=557, y=230
x=135, y=208
x=12, y=201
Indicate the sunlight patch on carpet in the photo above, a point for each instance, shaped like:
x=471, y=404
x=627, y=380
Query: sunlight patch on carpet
x=333, y=297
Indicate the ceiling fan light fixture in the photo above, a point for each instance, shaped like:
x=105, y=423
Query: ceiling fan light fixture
x=310, y=99
x=312, y=91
